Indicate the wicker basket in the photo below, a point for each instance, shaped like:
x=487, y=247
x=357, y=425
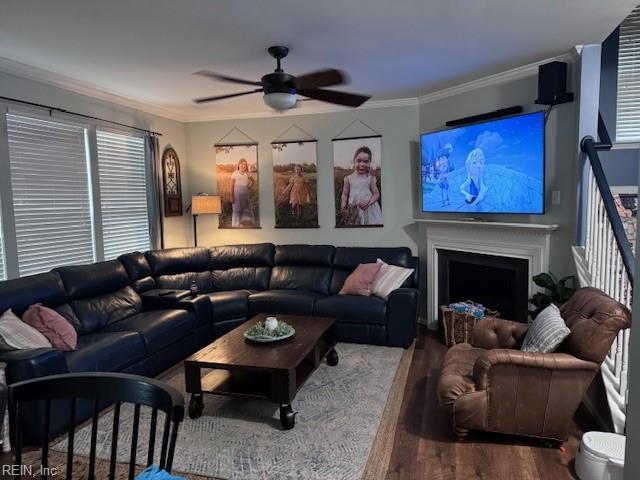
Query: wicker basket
x=458, y=325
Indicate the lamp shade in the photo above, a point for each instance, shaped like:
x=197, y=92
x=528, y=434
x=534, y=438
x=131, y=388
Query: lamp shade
x=205, y=204
x=280, y=100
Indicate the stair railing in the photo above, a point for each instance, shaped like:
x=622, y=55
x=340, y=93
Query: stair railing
x=610, y=263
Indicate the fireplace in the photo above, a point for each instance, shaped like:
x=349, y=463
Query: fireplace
x=498, y=282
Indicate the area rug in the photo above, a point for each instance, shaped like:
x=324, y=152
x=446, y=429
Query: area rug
x=340, y=410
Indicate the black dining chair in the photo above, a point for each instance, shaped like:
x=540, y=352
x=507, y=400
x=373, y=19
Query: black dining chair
x=103, y=389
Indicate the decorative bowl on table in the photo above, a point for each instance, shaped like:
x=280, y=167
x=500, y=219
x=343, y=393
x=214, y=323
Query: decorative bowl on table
x=270, y=330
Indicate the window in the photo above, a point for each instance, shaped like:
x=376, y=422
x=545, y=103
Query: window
x=51, y=194
x=123, y=193
x=628, y=102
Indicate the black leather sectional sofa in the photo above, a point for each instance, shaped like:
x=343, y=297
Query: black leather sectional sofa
x=124, y=325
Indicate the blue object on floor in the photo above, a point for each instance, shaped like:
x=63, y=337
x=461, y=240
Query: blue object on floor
x=152, y=472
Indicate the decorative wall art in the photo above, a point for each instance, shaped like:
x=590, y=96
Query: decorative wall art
x=237, y=185
x=172, y=183
x=295, y=184
x=357, y=173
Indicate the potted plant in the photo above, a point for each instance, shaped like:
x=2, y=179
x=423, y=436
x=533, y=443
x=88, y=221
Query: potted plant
x=555, y=291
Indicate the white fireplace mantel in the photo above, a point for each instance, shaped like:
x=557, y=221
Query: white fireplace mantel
x=528, y=241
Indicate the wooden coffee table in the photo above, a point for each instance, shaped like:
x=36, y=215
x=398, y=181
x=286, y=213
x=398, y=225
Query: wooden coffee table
x=270, y=371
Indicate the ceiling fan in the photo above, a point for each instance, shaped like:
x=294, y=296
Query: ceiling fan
x=280, y=88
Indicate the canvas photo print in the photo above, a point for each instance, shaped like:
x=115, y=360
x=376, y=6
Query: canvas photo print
x=237, y=185
x=295, y=184
x=357, y=173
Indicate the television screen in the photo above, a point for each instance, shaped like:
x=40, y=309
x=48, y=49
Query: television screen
x=490, y=167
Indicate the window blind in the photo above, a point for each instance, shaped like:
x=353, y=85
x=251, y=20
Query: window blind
x=51, y=195
x=628, y=102
x=123, y=193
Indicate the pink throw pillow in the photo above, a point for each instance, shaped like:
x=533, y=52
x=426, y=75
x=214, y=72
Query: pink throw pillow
x=360, y=280
x=53, y=326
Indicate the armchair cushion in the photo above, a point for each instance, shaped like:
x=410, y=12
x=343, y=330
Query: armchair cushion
x=491, y=332
x=546, y=332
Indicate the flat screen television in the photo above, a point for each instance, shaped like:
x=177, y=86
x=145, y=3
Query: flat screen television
x=495, y=166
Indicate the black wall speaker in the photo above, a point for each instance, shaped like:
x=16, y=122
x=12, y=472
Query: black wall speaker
x=552, y=84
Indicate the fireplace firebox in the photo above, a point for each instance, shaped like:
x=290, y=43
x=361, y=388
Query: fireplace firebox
x=499, y=283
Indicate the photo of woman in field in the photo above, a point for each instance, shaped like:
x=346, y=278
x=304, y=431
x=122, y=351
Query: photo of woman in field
x=237, y=185
x=294, y=184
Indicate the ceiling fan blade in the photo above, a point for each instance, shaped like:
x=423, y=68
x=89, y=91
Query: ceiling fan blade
x=321, y=78
x=221, y=97
x=224, y=78
x=333, y=96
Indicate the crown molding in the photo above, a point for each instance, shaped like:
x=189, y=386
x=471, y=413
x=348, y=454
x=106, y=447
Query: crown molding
x=83, y=88
x=13, y=67
x=304, y=110
x=498, y=78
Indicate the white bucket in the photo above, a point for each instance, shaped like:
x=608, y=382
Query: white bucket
x=600, y=456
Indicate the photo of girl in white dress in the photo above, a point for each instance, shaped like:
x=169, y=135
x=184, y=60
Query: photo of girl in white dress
x=357, y=176
x=237, y=185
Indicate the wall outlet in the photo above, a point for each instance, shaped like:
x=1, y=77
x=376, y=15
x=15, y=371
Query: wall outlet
x=555, y=197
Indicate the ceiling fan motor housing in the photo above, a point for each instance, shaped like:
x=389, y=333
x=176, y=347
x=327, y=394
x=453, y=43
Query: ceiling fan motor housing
x=278, y=82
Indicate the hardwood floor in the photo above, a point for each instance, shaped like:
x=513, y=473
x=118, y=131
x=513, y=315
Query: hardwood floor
x=425, y=447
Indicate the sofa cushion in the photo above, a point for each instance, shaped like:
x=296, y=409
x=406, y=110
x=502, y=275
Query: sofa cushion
x=352, y=309
x=20, y=293
x=229, y=305
x=297, y=302
x=106, y=352
x=239, y=256
x=178, y=260
x=359, y=282
x=302, y=267
x=182, y=281
x=96, y=312
x=82, y=281
x=158, y=328
x=53, y=326
x=139, y=271
x=348, y=258
x=254, y=278
x=18, y=335
x=312, y=255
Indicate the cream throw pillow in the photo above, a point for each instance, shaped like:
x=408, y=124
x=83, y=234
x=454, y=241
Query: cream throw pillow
x=18, y=335
x=389, y=278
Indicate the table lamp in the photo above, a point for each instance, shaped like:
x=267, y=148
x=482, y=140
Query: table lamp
x=203, y=204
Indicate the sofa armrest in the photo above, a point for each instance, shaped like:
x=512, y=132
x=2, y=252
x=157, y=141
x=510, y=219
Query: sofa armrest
x=491, y=332
x=200, y=305
x=402, y=310
x=512, y=360
x=33, y=363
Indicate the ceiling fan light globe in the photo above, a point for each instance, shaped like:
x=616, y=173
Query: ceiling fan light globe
x=280, y=100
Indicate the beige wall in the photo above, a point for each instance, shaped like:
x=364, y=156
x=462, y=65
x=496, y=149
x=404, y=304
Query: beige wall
x=560, y=150
x=398, y=126
x=173, y=132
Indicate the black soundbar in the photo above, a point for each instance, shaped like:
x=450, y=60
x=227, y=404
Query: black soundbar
x=503, y=112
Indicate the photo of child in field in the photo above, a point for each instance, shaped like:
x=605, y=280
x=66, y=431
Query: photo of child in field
x=237, y=185
x=294, y=184
x=357, y=181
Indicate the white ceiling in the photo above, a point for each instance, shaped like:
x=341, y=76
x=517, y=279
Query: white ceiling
x=146, y=50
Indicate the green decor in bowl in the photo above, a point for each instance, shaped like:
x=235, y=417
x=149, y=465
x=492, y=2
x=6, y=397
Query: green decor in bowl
x=260, y=333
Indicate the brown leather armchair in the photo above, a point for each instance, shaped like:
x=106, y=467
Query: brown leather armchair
x=491, y=385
